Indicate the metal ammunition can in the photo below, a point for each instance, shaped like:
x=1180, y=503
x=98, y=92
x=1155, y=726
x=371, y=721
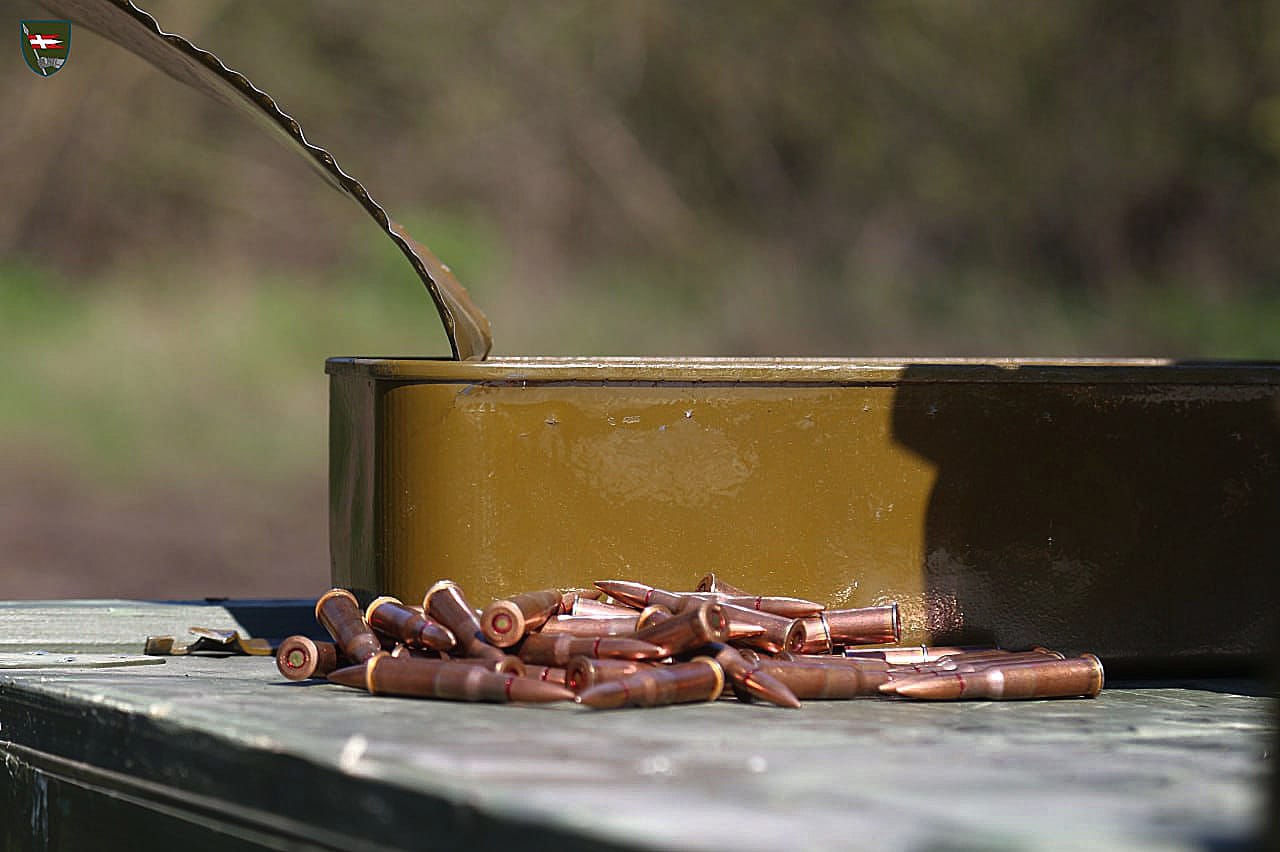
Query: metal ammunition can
x=1009, y=502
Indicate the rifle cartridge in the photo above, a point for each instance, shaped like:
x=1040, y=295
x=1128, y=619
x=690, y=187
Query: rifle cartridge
x=586, y=606
x=830, y=661
x=910, y=655
x=446, y=604
x=340, y=615
x=748, y=676
x=693, y=628
x=776, y=628
x=901, y=675
x=737, y=629
x=700, y=679
x=817, y=682
x=835, y=628
x=1076, y=677
x=590, y=625
x=390, y=617
x=969, y=664
x=550, y=674
x=640, y=595
x=506, y=621
x=652, y=615
x=299, y=658
x=558, y=650
x=448, y=680
x=584, y=672
x=506, y=664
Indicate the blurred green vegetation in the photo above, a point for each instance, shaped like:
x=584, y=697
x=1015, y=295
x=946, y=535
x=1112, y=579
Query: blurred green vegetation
x=879, y=178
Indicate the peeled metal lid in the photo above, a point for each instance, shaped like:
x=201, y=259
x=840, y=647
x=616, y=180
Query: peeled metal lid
x=135, y=30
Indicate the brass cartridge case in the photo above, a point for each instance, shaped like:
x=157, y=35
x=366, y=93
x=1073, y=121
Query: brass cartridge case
x=299, y=658
x=776, y=627
x=390, y=617
x=819, y=682
x=693, y=628
x=711, y=583
x=911, y=655
x=543, y=650
x=505, y=622
x=449, y=680
x=1076, y=677
x=550, y=674
x=746, y=676
x=826, y=631
x=584, y=672
x=590, y=625
x=339, y=614
x=701, y=679
x=446, y=604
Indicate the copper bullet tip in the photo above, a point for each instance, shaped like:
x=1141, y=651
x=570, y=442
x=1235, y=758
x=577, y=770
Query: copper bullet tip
x=529, y=691
x=352, y=676
x=931, y=687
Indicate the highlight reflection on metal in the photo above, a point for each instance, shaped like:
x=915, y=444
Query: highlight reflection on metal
x=135, y=30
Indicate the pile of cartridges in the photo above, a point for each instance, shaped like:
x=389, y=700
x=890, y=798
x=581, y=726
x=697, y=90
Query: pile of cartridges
x=625, y=644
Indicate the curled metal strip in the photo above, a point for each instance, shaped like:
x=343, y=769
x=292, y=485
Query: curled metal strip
x=136, y=31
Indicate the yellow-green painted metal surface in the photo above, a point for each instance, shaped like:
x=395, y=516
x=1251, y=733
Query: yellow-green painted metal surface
x=1131, y=508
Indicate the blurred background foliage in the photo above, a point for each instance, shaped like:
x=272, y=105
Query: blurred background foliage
x=758, y=178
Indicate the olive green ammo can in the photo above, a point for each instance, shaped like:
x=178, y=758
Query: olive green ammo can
x=1079, y=504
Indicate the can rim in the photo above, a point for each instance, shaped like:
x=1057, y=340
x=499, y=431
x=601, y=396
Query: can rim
x=519, y=371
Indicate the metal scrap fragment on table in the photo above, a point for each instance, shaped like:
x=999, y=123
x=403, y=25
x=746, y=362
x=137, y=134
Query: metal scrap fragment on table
x=208, y=641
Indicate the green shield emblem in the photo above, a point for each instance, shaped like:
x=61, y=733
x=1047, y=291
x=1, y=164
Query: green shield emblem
x=45, y=45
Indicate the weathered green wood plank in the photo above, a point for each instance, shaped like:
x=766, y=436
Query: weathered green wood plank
x=1175, y=766
x=121, y=626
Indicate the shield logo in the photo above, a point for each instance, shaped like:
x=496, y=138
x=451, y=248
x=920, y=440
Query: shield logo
x=45, y=45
